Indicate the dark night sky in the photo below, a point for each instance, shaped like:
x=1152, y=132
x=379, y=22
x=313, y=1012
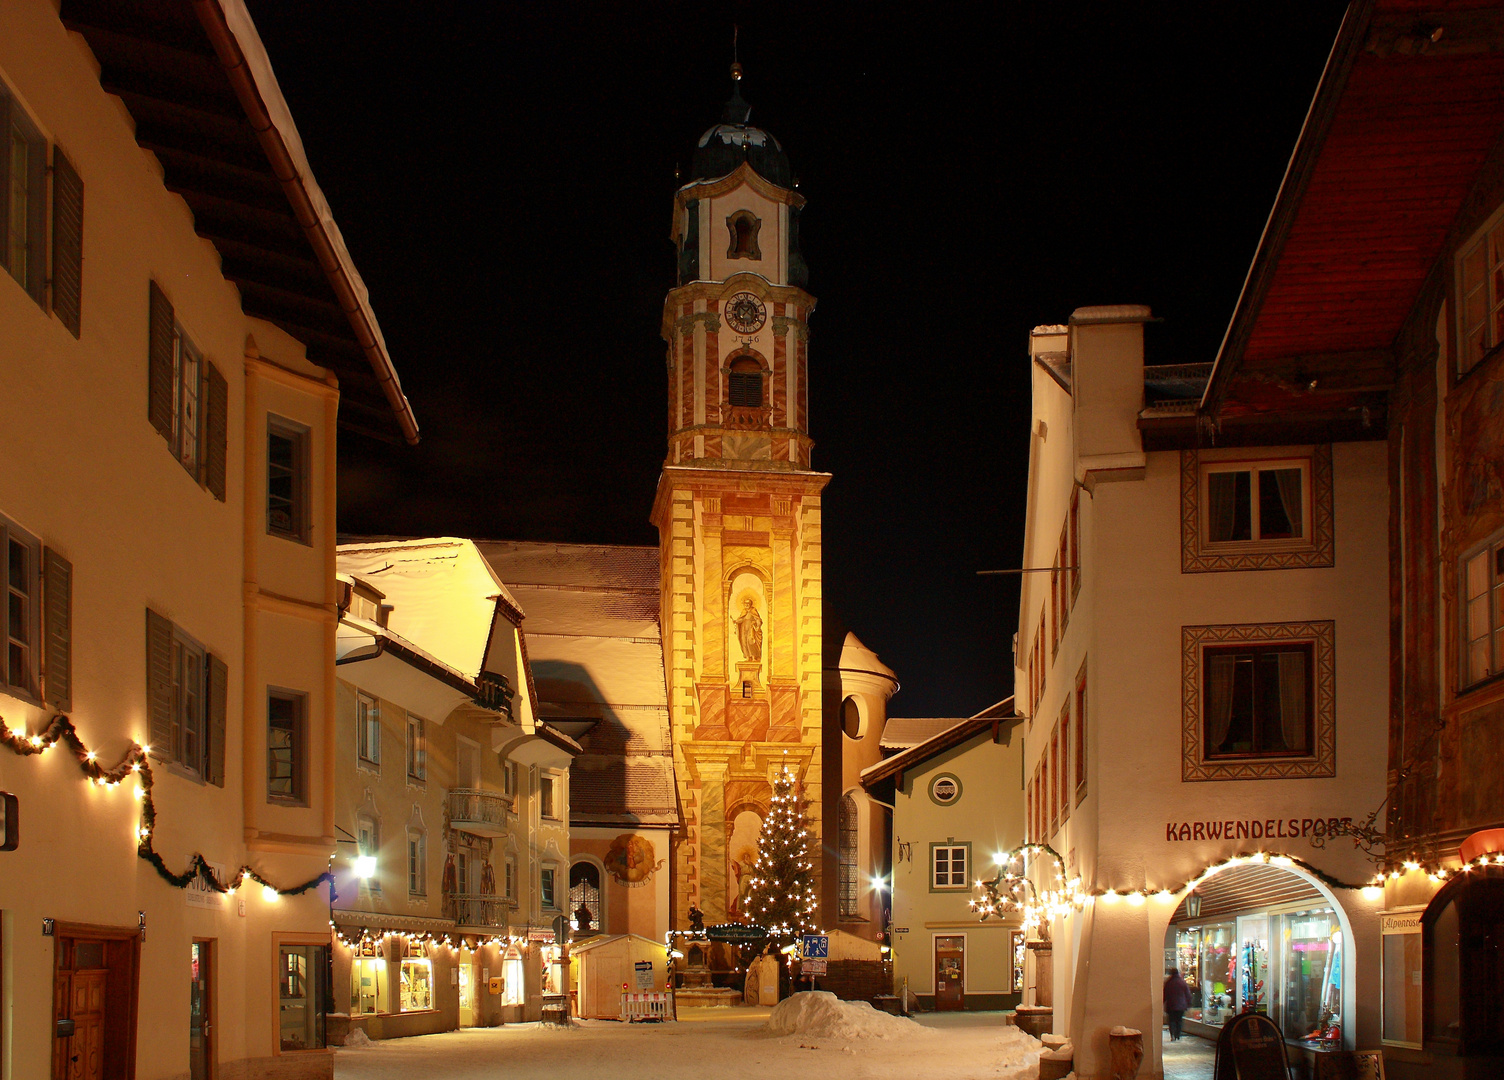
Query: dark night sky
x=503, y=175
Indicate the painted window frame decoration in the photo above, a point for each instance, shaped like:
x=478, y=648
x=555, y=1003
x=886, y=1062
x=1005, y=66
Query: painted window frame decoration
x=1478, y=620
x=936, y=781
x=1321, y=761
x=952, y=845
x=1476, y=262
x=1316, y=548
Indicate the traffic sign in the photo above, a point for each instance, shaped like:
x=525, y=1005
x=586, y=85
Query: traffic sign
x=812, y=967
x=816, y=946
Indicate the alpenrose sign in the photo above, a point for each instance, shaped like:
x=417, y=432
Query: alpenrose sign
x=1252, y=829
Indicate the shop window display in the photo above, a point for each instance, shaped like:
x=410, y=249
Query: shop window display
x=1216, y=981
x=417, y=978
x=1311, y=982
x=513, y=990
x=367, y=974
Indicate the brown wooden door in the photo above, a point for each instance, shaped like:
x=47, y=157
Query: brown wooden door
x=950, y=972
x=201, y=1012
x=86, y=1001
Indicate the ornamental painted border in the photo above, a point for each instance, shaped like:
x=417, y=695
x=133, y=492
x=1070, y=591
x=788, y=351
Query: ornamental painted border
x=1321, y=553
x=1322, y=763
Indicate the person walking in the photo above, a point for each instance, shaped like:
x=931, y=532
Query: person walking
x=1177, y=1001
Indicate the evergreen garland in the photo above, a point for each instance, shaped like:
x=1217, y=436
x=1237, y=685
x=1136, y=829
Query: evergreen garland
x=782, y=897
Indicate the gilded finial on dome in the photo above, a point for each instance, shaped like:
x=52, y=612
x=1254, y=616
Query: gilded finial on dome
x=736, y=63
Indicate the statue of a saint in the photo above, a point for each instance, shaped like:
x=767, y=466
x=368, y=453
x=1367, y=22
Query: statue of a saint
x=749, y=630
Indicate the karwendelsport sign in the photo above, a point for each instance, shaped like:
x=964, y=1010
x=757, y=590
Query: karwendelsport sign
x=1252, y=828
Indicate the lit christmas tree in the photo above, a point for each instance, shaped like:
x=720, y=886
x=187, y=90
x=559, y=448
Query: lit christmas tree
x=782, y=898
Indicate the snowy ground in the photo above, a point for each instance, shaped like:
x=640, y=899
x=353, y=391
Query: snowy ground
x=856, y=1046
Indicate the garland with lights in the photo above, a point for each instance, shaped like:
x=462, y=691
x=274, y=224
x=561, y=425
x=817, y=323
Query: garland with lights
x=448, y=941
x=135, y=761
x=782, y=896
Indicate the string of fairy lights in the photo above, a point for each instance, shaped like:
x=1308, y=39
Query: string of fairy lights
x=782, y=892
x=136, y=763
x=373, y=935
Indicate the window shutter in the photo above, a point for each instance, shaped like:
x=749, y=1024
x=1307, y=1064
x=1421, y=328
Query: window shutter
x=159, y=684
x=219, y=691
x=216, y=429
x=57, y=630
x=67, y=241
x=159, y=364
x=36, y=225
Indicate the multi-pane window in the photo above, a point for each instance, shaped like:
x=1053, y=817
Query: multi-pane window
x=188, y=703
x=20, y=559
x=1481, y=296
x=1483, y=612
x=368, y=977
x=1244, y=502
x=546, y=796
x=1065, y=759
x=287, y=472
x=1257, y=700
x=23, y=195
x=847, y=819
x=417, y=748
x=546, y=886
x=187, y=390
x=368, y=844
x=187, y=398
x=187, y=691
x=511, y=878
x=417, y=862
x=286, y=712
x=367, y=730
x=948, y=862
x=1080, y=755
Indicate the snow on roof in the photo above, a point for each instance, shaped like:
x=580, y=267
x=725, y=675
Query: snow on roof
x=443, y=593
x=902, y=732
x=596, y=652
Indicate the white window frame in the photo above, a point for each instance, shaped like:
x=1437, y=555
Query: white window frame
x=549, y=790
x=417, y=749
x=549, y=900
x=26, y=684
x=190, y=715
x=1487, y=323
x=511, y=877
x=298, y=528
x=367, y=731
x=951, y=845
x=1255, y=542
x=189, y=369
x=1491, y=552
x=417, y=862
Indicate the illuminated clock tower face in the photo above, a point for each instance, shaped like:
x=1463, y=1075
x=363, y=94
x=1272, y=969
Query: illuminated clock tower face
x=746, y=313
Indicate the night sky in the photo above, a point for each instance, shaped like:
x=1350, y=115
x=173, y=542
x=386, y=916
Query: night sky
x=504, y=173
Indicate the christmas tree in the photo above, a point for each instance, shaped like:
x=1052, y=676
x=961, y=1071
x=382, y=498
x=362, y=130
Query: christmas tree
x=782, y=897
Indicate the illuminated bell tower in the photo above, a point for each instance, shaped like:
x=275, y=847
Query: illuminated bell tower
x=738, y=513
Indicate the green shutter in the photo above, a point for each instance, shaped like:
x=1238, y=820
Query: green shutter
x=219, y=692
x=216, y=429
x=159, y=364
x=57, y=630
x=67, y=241
x=159, y=684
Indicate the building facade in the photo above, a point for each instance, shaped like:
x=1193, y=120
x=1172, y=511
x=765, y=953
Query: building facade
x=1202, y=671
x=738, y=515
x=168, y=510
x=956, y=806
x=452, y=799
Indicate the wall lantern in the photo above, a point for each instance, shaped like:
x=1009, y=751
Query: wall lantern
x=1193, y=906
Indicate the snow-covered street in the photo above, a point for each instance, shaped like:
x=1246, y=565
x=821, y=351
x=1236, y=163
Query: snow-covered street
x=938, y=1047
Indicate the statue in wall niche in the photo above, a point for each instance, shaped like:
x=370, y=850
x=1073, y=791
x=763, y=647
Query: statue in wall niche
x=749, y=630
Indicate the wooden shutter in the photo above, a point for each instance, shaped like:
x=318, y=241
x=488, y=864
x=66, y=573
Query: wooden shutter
x=219, y=692
x=159, y=684
x=57, y=630
x=216, y=429
x=159, y=363
x=67, y=241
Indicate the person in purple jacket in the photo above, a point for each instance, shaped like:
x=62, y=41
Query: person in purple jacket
x=1177, y=1001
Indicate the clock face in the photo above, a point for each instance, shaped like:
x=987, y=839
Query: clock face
x=746, y=313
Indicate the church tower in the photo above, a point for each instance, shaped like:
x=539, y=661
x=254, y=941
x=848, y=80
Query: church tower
x=738, y=514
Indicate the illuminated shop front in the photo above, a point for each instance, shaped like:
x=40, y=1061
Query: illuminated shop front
x=1271, y=944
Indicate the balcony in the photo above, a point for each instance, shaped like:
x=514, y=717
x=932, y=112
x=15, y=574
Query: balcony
x=481, y=813
x=474, y=909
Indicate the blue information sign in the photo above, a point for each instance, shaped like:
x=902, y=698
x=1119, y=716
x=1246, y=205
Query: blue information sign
x=816, y=945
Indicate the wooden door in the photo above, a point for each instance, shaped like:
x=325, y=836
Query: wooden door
x=86, y=1005
x=201, y=1012
x=950, y=972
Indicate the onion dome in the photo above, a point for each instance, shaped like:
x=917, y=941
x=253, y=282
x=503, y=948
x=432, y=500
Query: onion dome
x=734, y=140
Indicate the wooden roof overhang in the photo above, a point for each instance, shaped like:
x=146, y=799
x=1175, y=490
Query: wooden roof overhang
x=1407, y=110
x=201, y=106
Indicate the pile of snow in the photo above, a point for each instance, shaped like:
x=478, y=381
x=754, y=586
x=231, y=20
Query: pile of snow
x=357, y=1038
x=823, y=1015
x=1018, y=1055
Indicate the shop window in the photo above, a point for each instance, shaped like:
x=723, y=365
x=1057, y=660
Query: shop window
x=287, y=473
x=286, y=715
x=304, y=996
x=743, y=227
x=1265, y=514
x=585, y=898
x=847, y=855
x=1258, y=701
x=1480, y=294
x=417, y=977
x=1402, y=997
x=368, y=977
x=513, y=988
x=1482, y=629
x=417, y=748
x=949, y=865
x=367, y=731
x=744, y=384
